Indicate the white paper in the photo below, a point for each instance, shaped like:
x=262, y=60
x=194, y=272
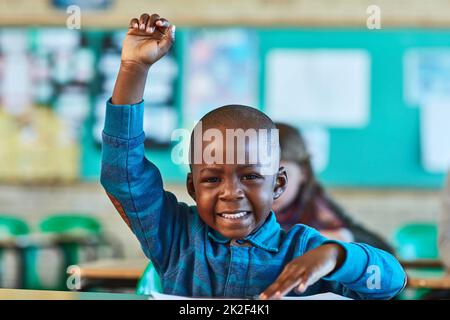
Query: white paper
x=321, y=296
x=317, y=140
x=13, y=40
x=328, y=87
x=435, y=134
x=161, y=296
x=426, y=75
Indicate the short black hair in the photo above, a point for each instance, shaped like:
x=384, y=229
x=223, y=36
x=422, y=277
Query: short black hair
x=234, y=116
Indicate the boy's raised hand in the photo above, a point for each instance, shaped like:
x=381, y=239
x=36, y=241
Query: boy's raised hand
x=148, y=39
x=305, y=270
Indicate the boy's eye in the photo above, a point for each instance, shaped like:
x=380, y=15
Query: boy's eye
x=211, y=179
x=250, y=177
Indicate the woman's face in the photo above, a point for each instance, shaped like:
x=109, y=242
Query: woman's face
x=295, y=178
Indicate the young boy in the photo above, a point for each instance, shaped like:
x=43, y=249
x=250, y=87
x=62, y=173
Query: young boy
x=229, y=244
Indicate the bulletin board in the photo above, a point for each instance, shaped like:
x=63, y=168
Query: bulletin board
x=385, y=152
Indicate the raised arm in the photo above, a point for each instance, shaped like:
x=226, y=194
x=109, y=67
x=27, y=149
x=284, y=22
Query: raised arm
x=133, y=183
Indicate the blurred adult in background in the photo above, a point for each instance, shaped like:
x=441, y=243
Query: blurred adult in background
x=444, y=225
x=305, y=200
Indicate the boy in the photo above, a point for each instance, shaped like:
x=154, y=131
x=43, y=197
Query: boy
x=229, y=244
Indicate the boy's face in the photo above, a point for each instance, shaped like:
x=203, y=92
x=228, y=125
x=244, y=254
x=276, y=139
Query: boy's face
x=232, y=198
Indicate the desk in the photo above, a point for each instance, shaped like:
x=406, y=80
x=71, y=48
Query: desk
x=20, y=294
x=431, y=279
x=112, y=272
x=426, y=273
x=25, y=247
x=422, y=263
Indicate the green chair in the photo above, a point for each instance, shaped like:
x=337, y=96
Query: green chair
x=71, y=229
x=149, y=281
x=416, y=241
x=11, y=227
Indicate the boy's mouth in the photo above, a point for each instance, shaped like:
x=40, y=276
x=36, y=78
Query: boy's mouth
x=234, y=215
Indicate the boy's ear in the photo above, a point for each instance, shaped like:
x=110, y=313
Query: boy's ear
x=280, y=183
x=190, y=185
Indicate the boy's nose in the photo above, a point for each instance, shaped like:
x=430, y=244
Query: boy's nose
x=231, y=191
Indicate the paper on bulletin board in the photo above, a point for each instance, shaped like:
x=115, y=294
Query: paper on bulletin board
x=317, y=140
x=327, y=87
x=435, y=134
x=221, y=68
x=426, y=75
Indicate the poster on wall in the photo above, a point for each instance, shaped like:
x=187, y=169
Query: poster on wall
x=426, y=74
x=42, y=118
x=220, y=68
x=318, y=86
x=427, y=87
x=160, y=116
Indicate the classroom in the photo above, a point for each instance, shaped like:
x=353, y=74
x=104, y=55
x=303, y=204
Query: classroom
x=98, y=100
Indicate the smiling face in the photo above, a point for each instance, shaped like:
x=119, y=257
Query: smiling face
x=234, y=198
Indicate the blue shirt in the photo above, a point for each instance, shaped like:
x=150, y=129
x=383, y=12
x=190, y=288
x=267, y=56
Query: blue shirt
x=195, y=260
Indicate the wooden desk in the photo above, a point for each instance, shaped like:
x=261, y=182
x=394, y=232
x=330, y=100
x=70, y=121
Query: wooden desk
x=22, y=244
x=19, y=294
x=421, y=263
x=112, y=272
x=431, y=279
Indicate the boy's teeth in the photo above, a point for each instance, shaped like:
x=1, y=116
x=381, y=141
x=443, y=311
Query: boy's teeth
x=234, y=215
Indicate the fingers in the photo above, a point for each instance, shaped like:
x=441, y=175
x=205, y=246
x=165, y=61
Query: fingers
x=151, y=24
x=289, y=279
x=168, y=39
x=134, y=23
x=162, y=25
x=143, y=21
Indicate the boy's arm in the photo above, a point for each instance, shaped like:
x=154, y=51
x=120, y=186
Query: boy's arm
x=363, y=271
x=134, y=184
x=366, y=272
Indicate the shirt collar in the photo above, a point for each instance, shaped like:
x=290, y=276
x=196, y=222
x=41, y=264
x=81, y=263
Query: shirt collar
x=266, y=237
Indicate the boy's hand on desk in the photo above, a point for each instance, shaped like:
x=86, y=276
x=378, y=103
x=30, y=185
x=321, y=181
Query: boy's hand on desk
x=148, y=39
x=305, y=270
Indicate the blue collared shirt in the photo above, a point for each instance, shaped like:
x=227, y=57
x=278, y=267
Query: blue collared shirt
x=195, y=260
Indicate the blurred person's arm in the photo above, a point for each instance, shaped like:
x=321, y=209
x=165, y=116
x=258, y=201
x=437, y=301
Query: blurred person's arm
x=444, y=225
